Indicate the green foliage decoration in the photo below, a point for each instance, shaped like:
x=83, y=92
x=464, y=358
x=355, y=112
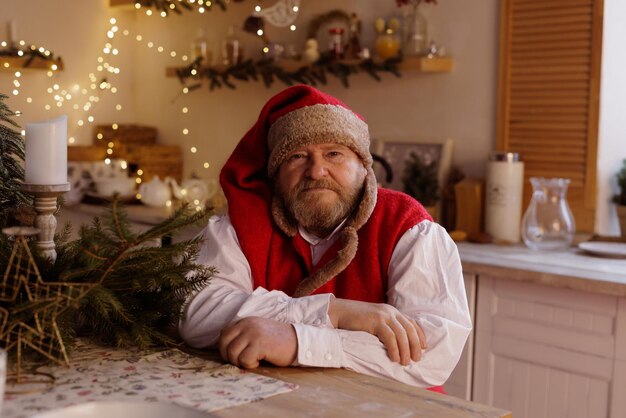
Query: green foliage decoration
x=141, y=286
x=269, y=71
x=420, y=180
x=11, y=170
x=620, y=198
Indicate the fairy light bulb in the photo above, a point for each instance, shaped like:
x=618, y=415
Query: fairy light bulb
x=206, y=165
x=193, y=150
x=140, y=172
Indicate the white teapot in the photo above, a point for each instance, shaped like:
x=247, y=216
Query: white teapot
x=157, y=193
x=197, y=191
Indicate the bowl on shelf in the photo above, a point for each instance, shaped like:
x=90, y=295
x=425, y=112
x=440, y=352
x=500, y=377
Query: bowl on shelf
x=108, y=187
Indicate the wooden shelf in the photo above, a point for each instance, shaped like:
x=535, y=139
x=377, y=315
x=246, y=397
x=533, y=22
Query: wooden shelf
x=427, y=65
x=114, y=3
x=17, y=63
x=424, y=65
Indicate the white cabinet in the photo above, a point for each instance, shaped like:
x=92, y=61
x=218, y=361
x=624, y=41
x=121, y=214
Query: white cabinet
x=543, y=351
x=459, y=383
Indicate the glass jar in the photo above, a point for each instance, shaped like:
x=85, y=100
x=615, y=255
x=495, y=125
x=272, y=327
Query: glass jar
x=415, y=33
x=548, y=223
x=387, y=45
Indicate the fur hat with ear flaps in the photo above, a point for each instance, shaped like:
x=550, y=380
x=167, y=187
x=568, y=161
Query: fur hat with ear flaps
x=296, y=117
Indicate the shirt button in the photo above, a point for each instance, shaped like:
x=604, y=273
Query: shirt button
x=328, y=356
x=308, y=354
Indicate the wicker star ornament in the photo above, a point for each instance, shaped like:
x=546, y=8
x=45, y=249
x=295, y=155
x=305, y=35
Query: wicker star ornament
x=29, y=306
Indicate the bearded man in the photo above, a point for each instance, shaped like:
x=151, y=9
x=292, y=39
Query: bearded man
x=319, y=267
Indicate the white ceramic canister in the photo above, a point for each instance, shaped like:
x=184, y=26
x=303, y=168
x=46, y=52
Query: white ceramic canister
x=503, y=206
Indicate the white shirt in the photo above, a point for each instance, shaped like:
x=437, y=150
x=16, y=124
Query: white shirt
x=425, y=282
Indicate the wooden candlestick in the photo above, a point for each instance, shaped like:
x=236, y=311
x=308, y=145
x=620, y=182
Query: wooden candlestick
x=45, y=206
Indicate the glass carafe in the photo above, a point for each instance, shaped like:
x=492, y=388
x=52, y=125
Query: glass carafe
x=548, y=223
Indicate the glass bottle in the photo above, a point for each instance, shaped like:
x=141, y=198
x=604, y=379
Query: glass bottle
x=232, y=48
x=199, y=48
x=548, y=223
x=415, y=34
x=336, y=42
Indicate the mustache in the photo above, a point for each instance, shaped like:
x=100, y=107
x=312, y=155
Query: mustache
x=315, y=184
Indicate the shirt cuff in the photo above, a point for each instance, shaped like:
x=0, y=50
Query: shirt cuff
x=310, y=310
x=318, y=347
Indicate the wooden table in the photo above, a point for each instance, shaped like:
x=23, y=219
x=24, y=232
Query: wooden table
x=346, y=394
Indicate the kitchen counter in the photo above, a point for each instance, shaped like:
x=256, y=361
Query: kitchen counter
x=572, y=269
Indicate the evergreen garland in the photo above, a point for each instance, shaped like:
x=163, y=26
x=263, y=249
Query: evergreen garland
x=11, y=170
x=420, y=180
x=141, y=287
x=30, y=53
x=620, y=198
x=178, y=6
x=269, y=71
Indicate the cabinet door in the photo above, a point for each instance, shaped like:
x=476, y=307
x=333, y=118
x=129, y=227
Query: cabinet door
x=544, y=351
x=550, y=53
x=459, y=383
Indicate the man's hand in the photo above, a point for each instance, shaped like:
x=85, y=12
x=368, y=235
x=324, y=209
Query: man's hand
x=401, y=335
x=253, y=339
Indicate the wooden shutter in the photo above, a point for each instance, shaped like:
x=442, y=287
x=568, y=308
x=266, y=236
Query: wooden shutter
x=549, y=88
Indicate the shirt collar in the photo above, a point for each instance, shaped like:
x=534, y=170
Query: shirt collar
x=314, y=240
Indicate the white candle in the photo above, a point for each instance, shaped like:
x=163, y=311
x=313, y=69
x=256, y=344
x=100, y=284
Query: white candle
x=46, y=152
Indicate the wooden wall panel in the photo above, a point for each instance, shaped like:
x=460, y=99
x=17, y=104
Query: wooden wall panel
x=549, y=88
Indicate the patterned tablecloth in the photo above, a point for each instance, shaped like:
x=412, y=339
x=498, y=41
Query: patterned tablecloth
x=104, y=374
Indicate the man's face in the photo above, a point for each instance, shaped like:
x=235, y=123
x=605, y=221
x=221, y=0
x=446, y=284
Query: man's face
x=321, y=185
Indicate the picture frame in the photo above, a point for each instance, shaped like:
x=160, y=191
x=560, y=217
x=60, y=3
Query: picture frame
x=396, y=153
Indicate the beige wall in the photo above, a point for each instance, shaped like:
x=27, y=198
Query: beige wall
x=460, y=105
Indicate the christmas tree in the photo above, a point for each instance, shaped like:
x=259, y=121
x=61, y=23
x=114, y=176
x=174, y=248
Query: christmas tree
x=11, y=170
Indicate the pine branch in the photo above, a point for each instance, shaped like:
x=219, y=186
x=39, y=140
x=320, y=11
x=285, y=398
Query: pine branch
x=140, y=288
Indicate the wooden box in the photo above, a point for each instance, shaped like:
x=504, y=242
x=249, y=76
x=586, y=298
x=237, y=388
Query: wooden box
x=86, y=153
x=154, y=160
x=470, y=196
x=125, y=134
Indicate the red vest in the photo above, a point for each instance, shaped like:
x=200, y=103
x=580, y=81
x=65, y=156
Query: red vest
x=365, y=279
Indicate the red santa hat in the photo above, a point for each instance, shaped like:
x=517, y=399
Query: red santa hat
x=297, y=116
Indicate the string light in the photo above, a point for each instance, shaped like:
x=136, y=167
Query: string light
x=63, y=97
